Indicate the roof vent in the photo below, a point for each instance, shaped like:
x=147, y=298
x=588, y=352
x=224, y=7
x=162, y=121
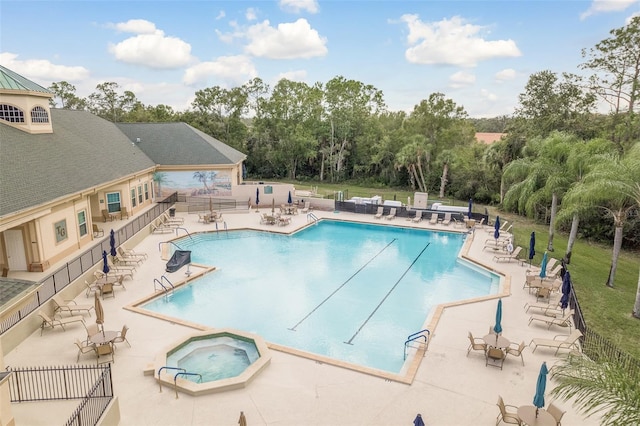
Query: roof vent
x=137, y=140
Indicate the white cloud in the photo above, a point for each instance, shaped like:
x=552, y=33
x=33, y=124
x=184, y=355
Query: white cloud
x=251, y=14
x=605, y=6
x=150, y=48
x=461, y=79
x=488, y=95
x=506, y=74
x=42, y=70
x=452, y=42
x=298, y=75
x=287, y=41
x=296, y=6
x=221, y=15
x=135, y=26
x=230, y=70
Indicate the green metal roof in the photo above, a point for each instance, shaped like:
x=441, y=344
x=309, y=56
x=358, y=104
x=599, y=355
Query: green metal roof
x=10, y=80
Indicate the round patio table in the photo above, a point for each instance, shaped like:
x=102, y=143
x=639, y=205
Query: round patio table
x=527, y=414
x=103, y=337
x=500, y=342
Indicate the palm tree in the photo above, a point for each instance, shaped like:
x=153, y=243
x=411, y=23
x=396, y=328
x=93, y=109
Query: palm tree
x=613, y=186
x=607, y=386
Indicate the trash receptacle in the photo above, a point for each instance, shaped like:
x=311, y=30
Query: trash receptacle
x=172, y=212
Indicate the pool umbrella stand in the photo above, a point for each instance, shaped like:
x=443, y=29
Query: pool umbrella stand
x=538, y=399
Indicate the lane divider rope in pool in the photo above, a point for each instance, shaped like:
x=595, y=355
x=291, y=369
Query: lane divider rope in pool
x=341, y=285
x=348, y=342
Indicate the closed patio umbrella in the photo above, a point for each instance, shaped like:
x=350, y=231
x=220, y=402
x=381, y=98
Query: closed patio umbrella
x=532, y=246
x=289, y=200
x=538, y=399
x=498, y=327
x=105, y=263
x=112, y=243
x=543, y=266
x=566, y=290
x=99, y=312
x=470, y=208
x=242, y=421
x=496, y=233
x=257, y=197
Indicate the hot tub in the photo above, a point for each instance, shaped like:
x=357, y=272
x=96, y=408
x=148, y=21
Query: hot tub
x=212, y=361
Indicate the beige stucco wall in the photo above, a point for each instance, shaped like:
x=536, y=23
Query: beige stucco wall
x=26, y=104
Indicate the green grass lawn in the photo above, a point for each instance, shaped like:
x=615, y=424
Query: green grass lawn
x=606, y=310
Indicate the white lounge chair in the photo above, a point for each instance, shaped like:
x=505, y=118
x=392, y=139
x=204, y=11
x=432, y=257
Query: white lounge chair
x=569, y=342
x=564, y=321
x=392, y=214
x=378, y=214
x=418, y=217
x=52, y=322
x=70, y=306
x=434, y=219
x=447, y=219
x=508, y=257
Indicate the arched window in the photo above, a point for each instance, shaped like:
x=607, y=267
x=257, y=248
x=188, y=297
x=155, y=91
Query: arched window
x=11, y=114
x=39, y=115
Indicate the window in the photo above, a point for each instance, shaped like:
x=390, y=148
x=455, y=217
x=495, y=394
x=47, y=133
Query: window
x=133, y=197
x=82, y=223
x=39, y=115
x=113, y=202
x=11, y=114
x=146, y=191
x=140, y=194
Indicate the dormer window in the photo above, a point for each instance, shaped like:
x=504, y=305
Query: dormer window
x=11, y=114
x=39, y=115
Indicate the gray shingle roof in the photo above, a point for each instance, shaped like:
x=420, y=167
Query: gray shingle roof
x=83, y=151
x=9, y=80
x=180, y=144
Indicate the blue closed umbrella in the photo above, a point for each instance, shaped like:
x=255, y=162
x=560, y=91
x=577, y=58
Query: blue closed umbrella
x=543, y=266
x=498, y=327
x=112, y=243
x=496, y=234
x=257, y=196
x=538, y=399
x=470, y=208
x=289, y=200
x=105, y=264
x=532, y=247
x=566, y=290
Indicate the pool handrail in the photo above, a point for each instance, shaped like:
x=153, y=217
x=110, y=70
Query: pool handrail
x=415, y=336
x=313, y=217
x=184, y=373
x=225, y=226
x=185, y=230
x=166, y=367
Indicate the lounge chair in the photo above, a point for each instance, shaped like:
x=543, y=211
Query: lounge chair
x=70, y=306
x=508, y=257
x=161, y=229
x=510, y=417
x=492, y=229
x=83, y=348
x=122, y=336
x=307, y=207
x=166, y=218
x=534, y=270
x=447, y=219
x=556, y=412
x=476, y=344
x=52, y=322
x=126, y=261
x=517, y=351
x=392, y=214
x=118, y=269
x=97, y=232
x=546, y=308
x=564, y=321
x=418, y=217
x=457, y=223
x=434, y=219
x=379, y=213
x=569, y=342
x=130, y=252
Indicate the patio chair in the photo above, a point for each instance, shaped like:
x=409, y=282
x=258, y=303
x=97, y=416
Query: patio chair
x=508, y=257
x=569, y=342
x=91, y=288
x=120, y=282
x=84, y=348
x=447, y=219
x=418, y=217
x=92, y=329
x=106, y=216
x=510, y=417
x=124, y=213
x=107, y=288
x=476, y=344
x=97, y=232
x=392, y=214
x=70, y=306
x=52, y=322
x=534, y=270
x=105, y=349
x=379, y=213
x=564, y=321
x=556, y=412
x=497, y=357
x=434, y=219
x=122, y=336
x=517, y=351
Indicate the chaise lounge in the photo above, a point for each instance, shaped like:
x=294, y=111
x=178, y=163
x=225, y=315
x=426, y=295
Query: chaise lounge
x=564, y=321
x=52, y=322
x=569, y=342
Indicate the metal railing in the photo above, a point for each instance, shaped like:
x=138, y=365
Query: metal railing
x=75, y=268
x=198, y=204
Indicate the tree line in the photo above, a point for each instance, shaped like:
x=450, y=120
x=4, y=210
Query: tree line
x=552, y=164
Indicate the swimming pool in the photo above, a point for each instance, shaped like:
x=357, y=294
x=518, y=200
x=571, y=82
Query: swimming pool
x=347, y=291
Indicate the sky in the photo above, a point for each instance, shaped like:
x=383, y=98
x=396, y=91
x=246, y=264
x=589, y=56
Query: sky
x=480, y=54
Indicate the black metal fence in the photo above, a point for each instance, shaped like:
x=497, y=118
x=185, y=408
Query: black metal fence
x=199, y=204
x=75, y=268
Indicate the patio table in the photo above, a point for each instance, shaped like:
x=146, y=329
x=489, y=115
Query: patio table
x=527, y=414
x=501, y=342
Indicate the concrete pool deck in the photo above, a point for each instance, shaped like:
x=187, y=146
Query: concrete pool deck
x=449, y=388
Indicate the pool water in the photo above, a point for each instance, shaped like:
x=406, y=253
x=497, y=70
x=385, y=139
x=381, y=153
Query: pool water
x=348, y=291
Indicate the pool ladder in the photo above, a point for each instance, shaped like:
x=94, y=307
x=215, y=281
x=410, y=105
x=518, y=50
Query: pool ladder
x=415, y=337
x=181, y=372
x=312, y=217
x=164, y=288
